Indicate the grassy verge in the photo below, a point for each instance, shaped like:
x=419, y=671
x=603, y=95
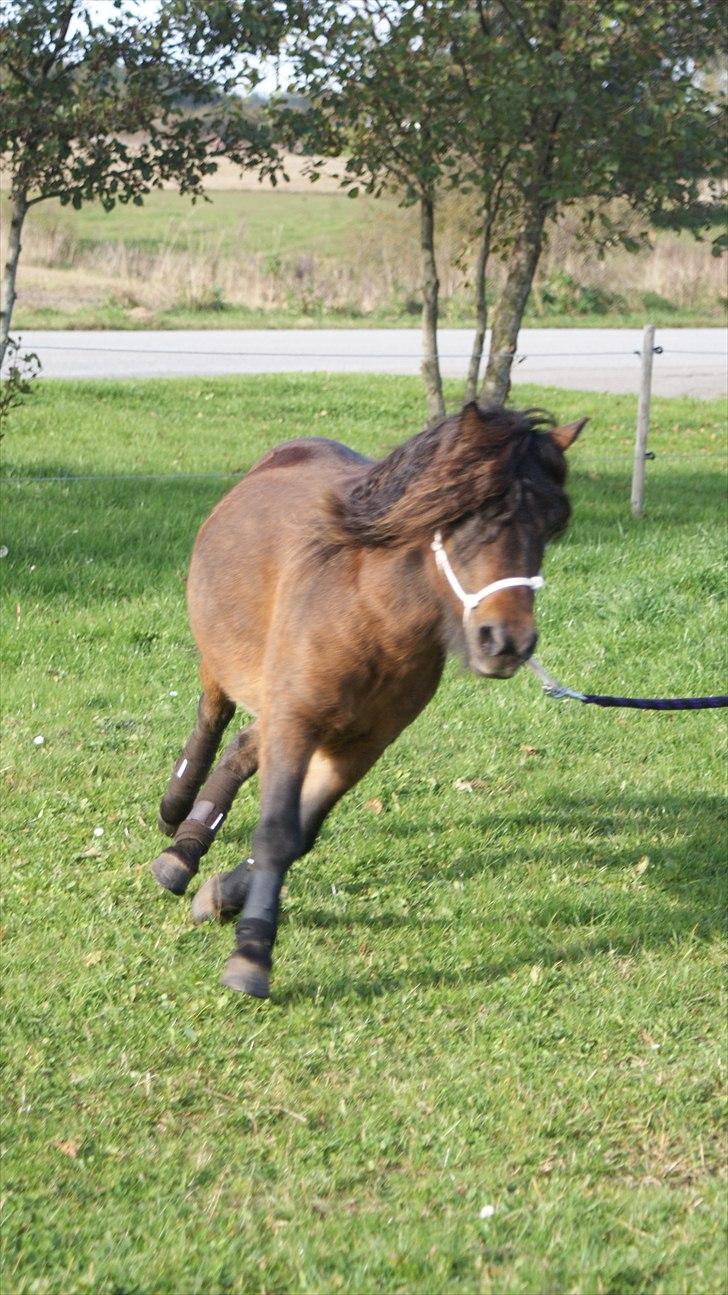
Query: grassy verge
x=111, y=315
x=494, y=1058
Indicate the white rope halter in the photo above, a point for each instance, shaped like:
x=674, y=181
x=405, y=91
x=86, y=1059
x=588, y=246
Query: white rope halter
x=470, y=601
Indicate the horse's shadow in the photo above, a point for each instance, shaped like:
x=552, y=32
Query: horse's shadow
x=75, y=535
x=366, y=988
x=680, y=895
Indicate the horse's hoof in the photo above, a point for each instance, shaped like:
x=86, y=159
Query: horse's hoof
x=208, y=903
x=246, y=977
x=167, y=829
x=171, y=873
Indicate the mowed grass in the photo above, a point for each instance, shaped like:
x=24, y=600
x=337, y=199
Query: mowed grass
x=494, y=1056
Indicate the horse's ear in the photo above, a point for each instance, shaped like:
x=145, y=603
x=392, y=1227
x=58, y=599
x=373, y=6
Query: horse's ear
x=565, y=436
x=471, y=421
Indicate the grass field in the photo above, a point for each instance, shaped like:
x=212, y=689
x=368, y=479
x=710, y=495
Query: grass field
x=310, y=255
x=494, y=1059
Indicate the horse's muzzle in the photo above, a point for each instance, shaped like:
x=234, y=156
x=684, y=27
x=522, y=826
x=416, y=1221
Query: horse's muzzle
x=497, y=651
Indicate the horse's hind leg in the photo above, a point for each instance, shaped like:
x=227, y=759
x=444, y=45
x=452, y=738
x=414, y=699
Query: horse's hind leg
x=214, y=713
x=175, y=868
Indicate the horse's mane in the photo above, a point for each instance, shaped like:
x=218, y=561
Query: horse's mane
x=468, y=462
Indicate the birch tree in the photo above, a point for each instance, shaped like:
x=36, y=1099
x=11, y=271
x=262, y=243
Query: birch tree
x=381, y=89
x=535, y=106
x=108, y=110
x=614, y=111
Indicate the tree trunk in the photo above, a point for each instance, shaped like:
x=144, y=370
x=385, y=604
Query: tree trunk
x=430, y=367
x=508, y=312
x=481, y=314
x=19, y=209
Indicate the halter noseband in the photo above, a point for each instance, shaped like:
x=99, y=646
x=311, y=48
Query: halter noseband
x=470, y=601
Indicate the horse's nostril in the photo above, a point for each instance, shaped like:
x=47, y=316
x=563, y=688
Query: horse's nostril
x=497, y=640
x=487, y=638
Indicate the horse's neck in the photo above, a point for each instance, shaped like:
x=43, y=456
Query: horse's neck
x=398, y=586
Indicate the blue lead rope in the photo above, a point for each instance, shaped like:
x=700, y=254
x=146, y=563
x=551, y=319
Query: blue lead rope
x=657, y=703
x=554, y=689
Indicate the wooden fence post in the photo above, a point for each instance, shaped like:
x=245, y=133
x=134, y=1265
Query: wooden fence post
x=643, y=421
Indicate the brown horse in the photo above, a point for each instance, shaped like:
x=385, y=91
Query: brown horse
x=318, y=604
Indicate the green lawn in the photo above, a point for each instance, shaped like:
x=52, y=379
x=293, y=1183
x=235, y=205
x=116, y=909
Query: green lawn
x=494, y=1056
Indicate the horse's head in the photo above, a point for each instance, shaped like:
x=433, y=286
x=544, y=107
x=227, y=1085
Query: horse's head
x=485, y=488
x=491, y=560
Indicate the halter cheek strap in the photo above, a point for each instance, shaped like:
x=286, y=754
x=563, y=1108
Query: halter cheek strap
x=470, y=601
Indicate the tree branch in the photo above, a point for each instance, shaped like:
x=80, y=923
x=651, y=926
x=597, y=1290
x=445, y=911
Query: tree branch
x=61, y=40
x=484, y=25
x=517, y=25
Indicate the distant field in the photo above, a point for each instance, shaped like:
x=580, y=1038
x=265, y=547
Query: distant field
x=494, y=1059
x=231, y=224
x=307, y=254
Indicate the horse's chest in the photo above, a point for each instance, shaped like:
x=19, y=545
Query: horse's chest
x=379, y=693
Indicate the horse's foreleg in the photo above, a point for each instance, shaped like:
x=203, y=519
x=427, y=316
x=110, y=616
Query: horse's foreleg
x=277, y=841
x=327, y=778
x=175, y=868
x=214, y=713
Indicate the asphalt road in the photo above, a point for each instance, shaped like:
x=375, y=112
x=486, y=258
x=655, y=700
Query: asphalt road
x=694, y=361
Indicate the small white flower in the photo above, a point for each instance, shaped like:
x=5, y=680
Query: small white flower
x=487, y=1212
x=173, y=692
x=4, y=551
x=39, y=740
x=98, y=831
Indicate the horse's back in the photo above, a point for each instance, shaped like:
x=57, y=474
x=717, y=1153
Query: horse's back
x=282, y=492
x=308, y=450
x=249, y=543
